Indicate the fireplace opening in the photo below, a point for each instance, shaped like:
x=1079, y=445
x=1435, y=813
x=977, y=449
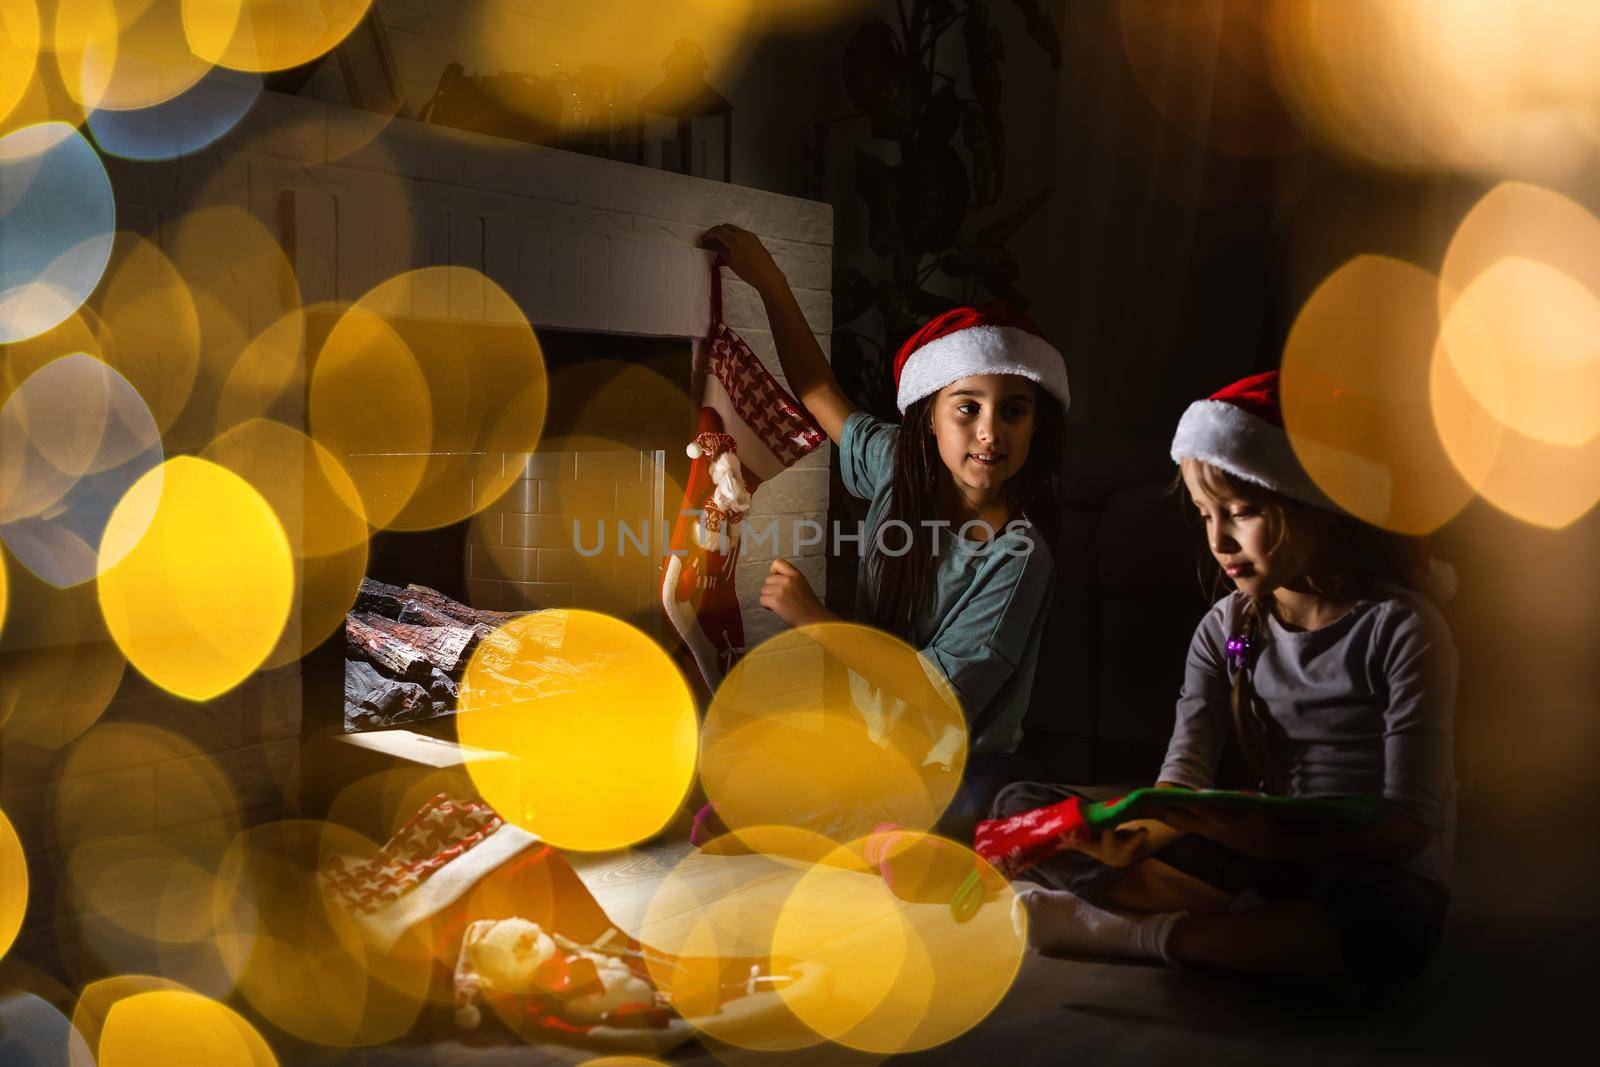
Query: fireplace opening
x=583, y=524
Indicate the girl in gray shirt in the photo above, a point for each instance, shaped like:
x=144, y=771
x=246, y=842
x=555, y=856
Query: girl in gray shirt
x=1328, y=680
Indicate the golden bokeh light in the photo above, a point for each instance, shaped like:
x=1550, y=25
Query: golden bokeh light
x=719, y=906
x=598, y=733
x=315, y=500
x=794, y=737
x=1355, y=393
x=42, y=99
x=1526, y=263
x=321, y=513
x=58, y=666
x=13, y=884
x=144, y=817
x=19, y=51
x=484, y=376
x=633, y=38
x=5, y=596
x=125, y=54
x=294, y=953
x=148, y=328
x=1506, y=89
x=954, y=972
x=842, y=918
x=271, y=371
x=1205, y=67
x=199, y=600
x=380, y=437
x=242, y=284
x=264, y=35
x=165, y=1027
x=101, y=995
x=1529, y=479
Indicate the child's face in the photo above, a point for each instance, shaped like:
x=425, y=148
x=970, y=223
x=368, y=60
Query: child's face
x=984, y=425
x=1239, y=536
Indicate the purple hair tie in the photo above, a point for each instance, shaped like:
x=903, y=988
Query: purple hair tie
x=1238, y=650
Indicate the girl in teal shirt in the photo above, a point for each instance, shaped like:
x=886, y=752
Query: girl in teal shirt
x=952, y=561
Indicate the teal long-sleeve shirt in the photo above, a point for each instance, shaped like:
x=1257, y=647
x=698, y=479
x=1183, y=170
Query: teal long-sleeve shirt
x=980, y=628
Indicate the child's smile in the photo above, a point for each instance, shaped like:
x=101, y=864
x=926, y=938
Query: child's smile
x=984, y=425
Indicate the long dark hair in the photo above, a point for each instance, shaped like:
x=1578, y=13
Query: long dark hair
x=1346, y=558
x=901, y=579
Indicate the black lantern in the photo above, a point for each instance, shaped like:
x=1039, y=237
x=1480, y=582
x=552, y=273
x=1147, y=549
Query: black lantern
x=684, y=95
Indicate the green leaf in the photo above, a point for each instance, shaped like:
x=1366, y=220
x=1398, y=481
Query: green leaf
x=853, y=294
x=879, y=190
x=985, y=53
x=1001, y=230
x=929, y=305
x=941, y=118
x=899, y=308
x=934, y=193
x=988, y=156
x=1004, y=290
x=1042, y=30
x=872, y=63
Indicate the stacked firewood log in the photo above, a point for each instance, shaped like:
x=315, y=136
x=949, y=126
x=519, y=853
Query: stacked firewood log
x=406, y=649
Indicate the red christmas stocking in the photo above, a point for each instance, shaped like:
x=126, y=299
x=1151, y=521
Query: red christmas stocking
x=750, y=430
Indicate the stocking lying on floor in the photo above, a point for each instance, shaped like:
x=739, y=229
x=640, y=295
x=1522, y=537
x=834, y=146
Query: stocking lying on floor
x=507, y=921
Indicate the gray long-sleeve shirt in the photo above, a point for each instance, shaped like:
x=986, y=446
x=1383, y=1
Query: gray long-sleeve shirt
x=1364, y=705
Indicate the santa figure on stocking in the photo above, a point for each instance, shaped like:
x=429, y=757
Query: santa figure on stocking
x=750, y=430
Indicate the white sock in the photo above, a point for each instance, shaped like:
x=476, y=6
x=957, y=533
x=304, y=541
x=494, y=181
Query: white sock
x=1061, y=922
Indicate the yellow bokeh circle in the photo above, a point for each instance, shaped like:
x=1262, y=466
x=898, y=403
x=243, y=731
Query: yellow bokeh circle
x=1525, y=264
x=485, y=386
x=715, y=912
x=164, y=1027
x=19, y=50
x=263, y=35
x=380, y=437
x=1529, y=479
x=296, y=955
x=125, y=54
x=148, y=327
x=1355, y=386
x=59, y=672
x=796, y=737
x=842, y=918
x=198, y=600
x=955, y=972
x=596, y=736
x=13, y=884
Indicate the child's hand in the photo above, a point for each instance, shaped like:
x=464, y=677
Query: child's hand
x=788, y=595
x=745, y=255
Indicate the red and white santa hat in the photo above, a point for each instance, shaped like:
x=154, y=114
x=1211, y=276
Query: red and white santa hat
x=990, y=338
x=1239, y=428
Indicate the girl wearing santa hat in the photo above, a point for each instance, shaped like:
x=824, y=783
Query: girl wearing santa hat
x=1327, y=677
x=952, y=561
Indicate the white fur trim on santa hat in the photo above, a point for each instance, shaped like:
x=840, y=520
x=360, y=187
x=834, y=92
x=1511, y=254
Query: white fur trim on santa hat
x=1226, y=436
x=982, y=350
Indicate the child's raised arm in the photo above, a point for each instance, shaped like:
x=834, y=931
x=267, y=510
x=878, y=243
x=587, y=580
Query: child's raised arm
x=804, y=366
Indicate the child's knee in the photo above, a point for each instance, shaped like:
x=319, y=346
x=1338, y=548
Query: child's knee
x=1388, y=922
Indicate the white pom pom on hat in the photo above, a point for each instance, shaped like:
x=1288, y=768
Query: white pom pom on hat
x=991, y=338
